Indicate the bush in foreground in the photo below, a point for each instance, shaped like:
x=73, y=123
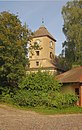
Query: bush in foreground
x=41, y=89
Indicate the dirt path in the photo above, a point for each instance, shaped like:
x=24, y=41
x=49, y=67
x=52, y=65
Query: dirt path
x=14, y=119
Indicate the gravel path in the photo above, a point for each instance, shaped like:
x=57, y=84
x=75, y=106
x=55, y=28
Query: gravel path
x=14, y=119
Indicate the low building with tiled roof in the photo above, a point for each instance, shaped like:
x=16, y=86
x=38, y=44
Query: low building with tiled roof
x=72, y=76
x=72, y=82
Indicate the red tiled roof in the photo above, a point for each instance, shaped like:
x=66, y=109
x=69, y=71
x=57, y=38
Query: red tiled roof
x=42, y=31
x=71, y=76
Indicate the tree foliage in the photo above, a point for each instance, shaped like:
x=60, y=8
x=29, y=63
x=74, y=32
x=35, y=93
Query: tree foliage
x=72, y=15
x=37, y=89
x=40, y=81
x=42, y=89
x=13, y=42
x=61, y=63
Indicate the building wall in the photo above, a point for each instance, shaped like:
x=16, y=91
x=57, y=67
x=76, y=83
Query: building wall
x=73, y=88
x=44, y=53
x=70, y=87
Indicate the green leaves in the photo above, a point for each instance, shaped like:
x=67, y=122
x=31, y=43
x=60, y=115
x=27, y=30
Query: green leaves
x=13, y=51
x=40, y=82
x=41, y=89
x=72, y=15
x=37, y=89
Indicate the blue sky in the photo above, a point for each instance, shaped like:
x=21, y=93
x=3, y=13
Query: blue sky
x=32, y=12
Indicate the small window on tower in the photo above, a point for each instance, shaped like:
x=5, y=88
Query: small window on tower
x=51, y=55
x=51, y=44
x=37, y=63
x=37, y=53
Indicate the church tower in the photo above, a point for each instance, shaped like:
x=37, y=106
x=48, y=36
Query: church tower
x=43, y=58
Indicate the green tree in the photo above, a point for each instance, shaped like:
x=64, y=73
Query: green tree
x=13, y=50
x=72, y=47
x=37, y=89
x=61, y=63
x=42, y=89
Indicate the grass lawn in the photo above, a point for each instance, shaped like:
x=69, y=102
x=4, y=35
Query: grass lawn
x=48, y=111
x=52, y=111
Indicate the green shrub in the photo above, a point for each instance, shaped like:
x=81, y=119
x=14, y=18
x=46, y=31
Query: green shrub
x=5, y=95
x=41, y=89
x=31, y=98
x=71, y=99
x=6, y=98
x=37, y=89
x=64, y=100
x=41, y=81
